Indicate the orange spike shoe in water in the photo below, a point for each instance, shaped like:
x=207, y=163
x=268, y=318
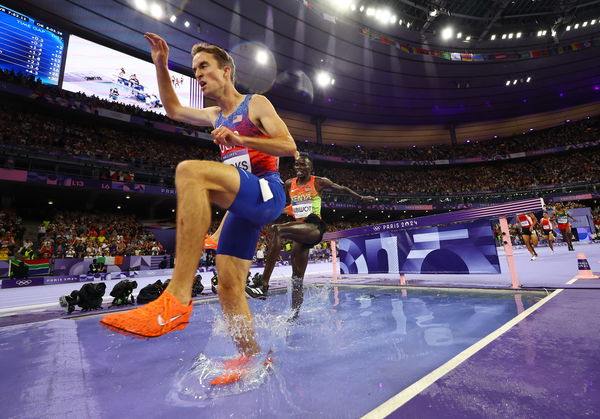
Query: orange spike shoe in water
x=152, y=320
x=236, y=369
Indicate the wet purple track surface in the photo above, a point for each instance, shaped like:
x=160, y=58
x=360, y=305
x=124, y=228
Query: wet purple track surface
x=546, y=366
x=351, y=349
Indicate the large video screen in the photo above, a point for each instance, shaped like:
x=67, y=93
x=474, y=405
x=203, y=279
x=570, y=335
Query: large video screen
x=94, y=69
x=30, y=46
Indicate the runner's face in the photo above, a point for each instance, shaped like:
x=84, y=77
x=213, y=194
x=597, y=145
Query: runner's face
x=303, y=167
x=210, y=77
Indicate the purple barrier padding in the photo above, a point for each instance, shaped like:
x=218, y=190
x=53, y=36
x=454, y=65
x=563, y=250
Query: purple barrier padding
x=107, y=113
x=574, y=197
x=53, y=280
x=529, y=205
x=24, y=282
x=13, y=175
x=77, y=182
x=65, y=279
x=138, y=120
x=70, y=266
x=352, y=205
x=80, y=266
x=467, y=248
x=4, y=268
x=166, y=237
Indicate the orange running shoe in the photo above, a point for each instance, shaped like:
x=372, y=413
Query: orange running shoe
x=236, y=369
x=152, y=320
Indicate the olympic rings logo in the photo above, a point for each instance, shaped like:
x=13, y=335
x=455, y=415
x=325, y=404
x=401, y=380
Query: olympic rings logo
x=23, y=282
x=376, y=228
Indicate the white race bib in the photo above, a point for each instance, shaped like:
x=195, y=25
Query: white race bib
x=525, y=223
x=238, y=158
x=546, y=226
x=562, y=220
x=302, y=209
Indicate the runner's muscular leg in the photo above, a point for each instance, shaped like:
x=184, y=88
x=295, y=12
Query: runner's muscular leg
x=297, y=231
x=232, y=281
x=300, y=254
x=198, y=184
x=299, y=259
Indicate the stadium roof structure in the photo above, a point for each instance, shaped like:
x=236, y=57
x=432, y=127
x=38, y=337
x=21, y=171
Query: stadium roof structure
x=387, y=60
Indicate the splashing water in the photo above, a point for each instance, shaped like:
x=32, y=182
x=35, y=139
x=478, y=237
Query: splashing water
x=193, y=385
x=273, y=328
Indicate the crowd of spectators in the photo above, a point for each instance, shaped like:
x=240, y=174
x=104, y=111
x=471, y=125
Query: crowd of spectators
x=558, y=169
x=75, y=234
x=24, y=128
x=20, y=127
x=11, y=234
x=572, y=132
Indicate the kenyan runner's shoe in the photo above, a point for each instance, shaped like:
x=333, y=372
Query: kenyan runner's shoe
x=259, y=291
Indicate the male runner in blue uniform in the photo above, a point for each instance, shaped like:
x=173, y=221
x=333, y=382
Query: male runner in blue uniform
x=251, y=137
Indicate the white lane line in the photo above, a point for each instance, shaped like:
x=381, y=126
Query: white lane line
x=417, y=387
x=11, y=310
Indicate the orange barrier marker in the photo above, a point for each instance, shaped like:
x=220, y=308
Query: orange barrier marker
x=584, y=268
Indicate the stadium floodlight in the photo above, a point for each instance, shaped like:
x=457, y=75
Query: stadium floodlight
x=261, y=57
x=568, y=28
x=447, y=32
x=341, y=4
x=585, y=24
x=459, y=35
x=433, y=12
x=503, y=36
x=593, y=22
x=519, y=34
x=510, y=35
x=528, y=79
x=156, y=11
x=370, y=11
x=508, y=82
x=173, y=18
x=141, y=5
x=383, y=15
x=186, y=24
x=493, y=37
x=393, y=19
x=361, y=9
x=515, y=81
x=468, y=38
x=576, y=26
x=323, y=79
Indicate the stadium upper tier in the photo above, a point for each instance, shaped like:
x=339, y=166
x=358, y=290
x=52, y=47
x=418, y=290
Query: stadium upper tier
x=109, y=148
